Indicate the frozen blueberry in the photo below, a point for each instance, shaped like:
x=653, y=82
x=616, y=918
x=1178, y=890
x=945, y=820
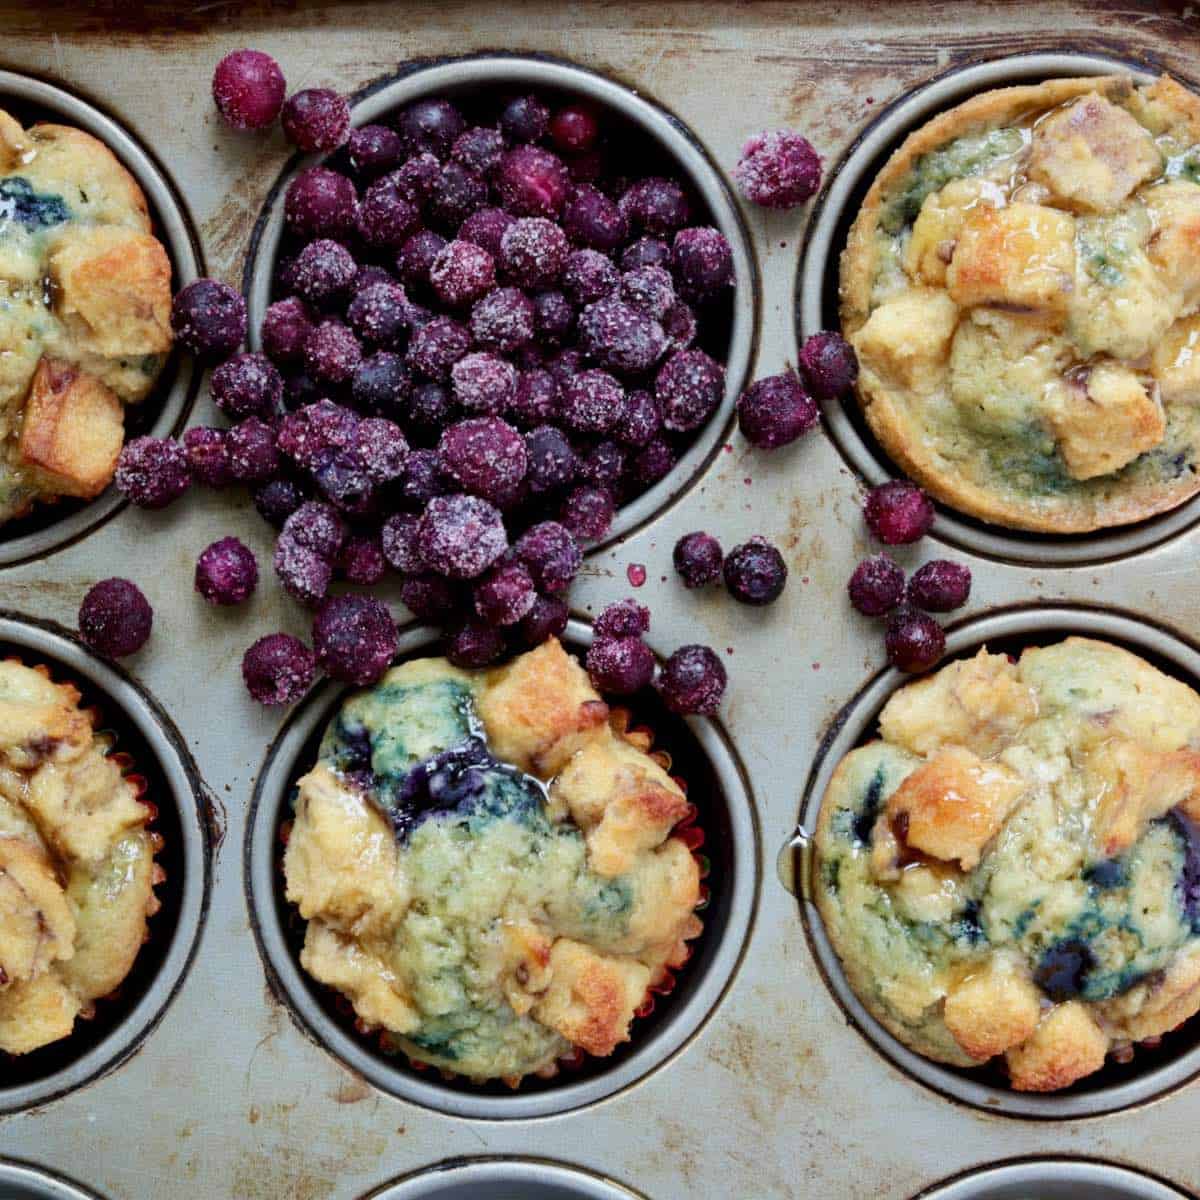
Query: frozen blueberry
x=546, y=619
x=650, y=290
x=565, y=365
x=378, y=314
x=474, y=644
x=429, y=409
x=778, y=169
x=361, y=560
x=485, y=456
x=693, y=681
x=115, y=618
x=423, y=479
x=603, y=466
x=354, y=638
x=525, y=119
x=319, y=203
x=371, y=273
x=209, y=319
x=399, y=544
x=226, y=572
x=620, y=338
x=457, y=194
x=536, y=399
x=876, y=586
x=484, y=382
x=829, y=364
x=248, y=88
x=755, y=572
x=652, y=462
x=152, y=472
x=913, y=640
x=898, y=512
x=503, y=320
x=208, y=456
x=574, y=129
x=701, y=261
x=303, y=573
x=430, y=125
x=343, y=479
x=306, y=434
x=436, y=347
x=532, y=182
x=646, y=252
x=589, y=276
x=416, y=257
x=324, y=273
x=486, y=228
x=462, y=273
x=553, y=317
x=419, y=177
x=553, y=463
x=316, y=527
x=431, y=598
x=505, y=594
x=533, y=252
x=640, y=419
x=253, y=456
x=277, y=500
x=332, y=353
x=592, y=402
x=316, y=119
x=657, y=206
x=698, y=559
x=461, y=536
x=248, y=385
x=689, y=386
x=285, y=328
x=625, y=618
x=551, y=554
x=680, y=326
x=386, y=216
x=374, y=150
x=591, y=219
x=775, y=411
x=278, y=669
x=940, y=586
x=588, y=513
x=479, y=149
x=620, y=665
x=382, y=448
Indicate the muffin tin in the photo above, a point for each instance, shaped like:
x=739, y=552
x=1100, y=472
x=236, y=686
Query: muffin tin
x=757, y=1077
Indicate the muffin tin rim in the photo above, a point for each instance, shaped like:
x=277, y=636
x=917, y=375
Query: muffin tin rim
x=42, y=637
x=820, y=258
x=1028, y=1172
x=684, y=147
x=503, y=1170
x=794, y=862
x=46, y=1183
x=290, y=983
x=176, y=229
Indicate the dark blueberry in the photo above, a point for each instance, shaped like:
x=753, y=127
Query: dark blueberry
x=383, y=449
x=565, y=365
x=1062, y=970
x=418, y=178
x=778, y=169
x=430, y=125
x=316, y=527
x=589, y=276
x=755, y=572
x=625, y=618
x=591, y=402
x=620, y=665
x=277, y=500
x=603, y=466
x=1188, y=883
x=502, y=320
x=650, y=290
x=361, y=560
x=429, y=409
x=461, y=536
x=278, y=669
x=374, y=150
x=876, y=586
x=1108, y=873
x=693, y=681
x=423, y=479
x=591, y=219
x=486, y=228
x=536, y=401
x=553, y=317
x=253, y=456
x=457, y=195
x=399, y=541
x=209, y=319
x=701, y=262
x=505, y=594
x=574, y=129
x=386, y=215
x=303, y=573
x=553, y=464
x=588, y=513
x=324, y=273
x=437, y=346
x=525, y=119
x=829, y=365
x=332, y=353
x=689, y=386
x=301, y=390
x=658, y=206
x=775, y=411
x=248, y=385
x=115, y=618
x=306, y=434
x=474, y=644
x=316, y=120
x=913, y=640
x=485, y=456
x=226, y=572
x=652, y=462
x=431, y=598
x=371, y=273
x=462, y=273
x=680, y=326
x=546, y=619
x=479, y=150
x=640, y=419
x=898, y=512
x=285, y=328
x=484, y=382
x=620, y=338
x=152, y=472
x=532, y=182
x=646, y=252
x=343, y=479
x=208, y=456
x=940, y=586
x=416, y=257
x=248, y=88
x=354, y=638
x=551, y=554
x=698, y=559
x=319, y=203
x=378, y=315
x=533, y=252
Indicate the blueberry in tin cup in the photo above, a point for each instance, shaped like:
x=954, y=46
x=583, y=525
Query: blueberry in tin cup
x=1011, y=871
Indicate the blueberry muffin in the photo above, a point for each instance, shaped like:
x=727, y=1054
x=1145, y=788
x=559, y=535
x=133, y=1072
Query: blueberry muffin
x=85, y=297
x=487, y=867
x=1013, y=868
x=1022, y=287
x=77, y=869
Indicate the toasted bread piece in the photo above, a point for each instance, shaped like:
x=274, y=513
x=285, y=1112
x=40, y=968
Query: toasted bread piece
x=907, y=340
x=993, y=1010
x=1067, y=1044
x=1175, y=363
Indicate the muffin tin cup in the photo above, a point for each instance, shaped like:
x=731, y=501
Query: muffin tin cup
x=502, y=1179
x=680, y=147
x=1152, y=1073
x=24, y=1181
x=1053, y=1179
x=45, y=530
x=700, y=985
x=125, y=1020
x=816, y=303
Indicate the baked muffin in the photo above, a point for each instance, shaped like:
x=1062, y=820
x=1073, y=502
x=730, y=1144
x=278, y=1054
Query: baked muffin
x=1013, y=868
x=487, y=867
x=1022, y=287
x=77, y=868
x=85, y=299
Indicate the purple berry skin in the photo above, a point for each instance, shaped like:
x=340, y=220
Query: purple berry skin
x=226, y=572
x=551, y=554
x=589, y=276
x=317, y=527
x=278, y=669
x=277, y=500
x=504, y=595
x=209, y=319
x=479, y=150
x=285, y=328
x=437, y=346
x=829, y=364
x=553, y=317
x=755, y=572
x=876, y=586
x=624, y=619
x=248, y=385
x=532, y=182
x=640, y=419
x=324, y=273
x=416, y=257
x=574, y=129
x=620, y=338
x=307, y=433
x=525, y=119
x=484, y=456
x=603, y=466
x=208, y=456
x=399, y=540
x=431, y=598
x=361, y=560
x=462, y=273
x=152, y=472
x=474, y=645
x=653, y=462
x=914, y=641
x=775, y=411
x=374, y=150
x=316, y=120
x=701, y=261
x=698, y=559
x=536, y=400
x=689, y=386
x=303, y=573
x=319, y=203
x=253, y=456
x=382, y=448
x=587, y=512
x=646, y=252
x=115, y=618
x=457, y=194
x=386, y=216
x=355, y=638
x=693, y=681
x=650, y=290
x=533, y=252
x=343, y=479
x=680, y=326
x=484, y=382
x=461, y=536
x=778, y=169
x=486, y=228
x=381, y=384
x=429, y=409
x=430, y=126
x=898, y=512
x=940, y=586
x=423, y=479
x=620, y=665
x=658, y=206
x=591, y=219
x=592, y=402
x=502, y=320
x=248, y=89
x=332, y=353
x=546, y=619
x=379, y=315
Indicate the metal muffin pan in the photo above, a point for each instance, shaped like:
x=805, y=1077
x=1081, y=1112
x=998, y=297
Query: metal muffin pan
x=1053, y=1179
x=817, y=305
x=716, y=786
x=502, y=1179
x=682, y=154
x=1152, y=1072
x=24, y=1181
x=144, y=732
x=165, y=410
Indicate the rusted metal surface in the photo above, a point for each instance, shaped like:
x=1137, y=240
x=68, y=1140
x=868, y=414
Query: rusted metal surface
x=777, y=1096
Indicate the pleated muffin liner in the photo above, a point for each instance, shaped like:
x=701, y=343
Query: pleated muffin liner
x=576, y=1059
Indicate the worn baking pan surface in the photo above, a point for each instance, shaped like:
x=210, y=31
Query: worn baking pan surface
x=772, y=1090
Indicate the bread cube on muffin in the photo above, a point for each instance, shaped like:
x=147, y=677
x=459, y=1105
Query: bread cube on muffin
x=1174, y=243
x=907, y=340
x=1175, y=363
x=994, y=1008
x=1067, y=1044
x=939, y=223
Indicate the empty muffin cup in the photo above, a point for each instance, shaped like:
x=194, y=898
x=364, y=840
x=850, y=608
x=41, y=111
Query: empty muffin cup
x=1053, y=1179
x=501, y=1179
x=24, y=1181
